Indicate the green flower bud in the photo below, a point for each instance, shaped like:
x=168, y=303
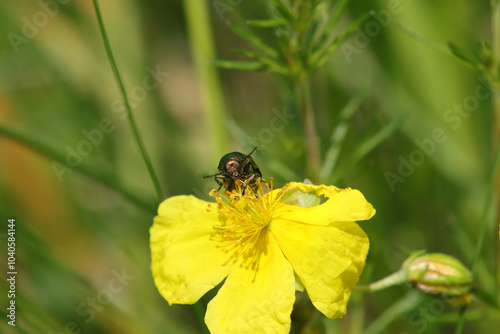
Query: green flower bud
x=437, y=273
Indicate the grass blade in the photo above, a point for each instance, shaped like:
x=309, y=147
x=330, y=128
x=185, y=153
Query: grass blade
x=105, y=176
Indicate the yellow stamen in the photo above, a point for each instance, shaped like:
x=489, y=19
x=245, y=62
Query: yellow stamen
x=244, y=219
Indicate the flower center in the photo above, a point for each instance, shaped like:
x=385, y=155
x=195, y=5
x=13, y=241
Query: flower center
x=244, y=220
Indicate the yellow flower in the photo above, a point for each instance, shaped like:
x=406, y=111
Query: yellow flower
x=258, y=243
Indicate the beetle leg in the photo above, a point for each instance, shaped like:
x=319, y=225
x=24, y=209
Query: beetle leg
x=246, y=183
x=216, y=178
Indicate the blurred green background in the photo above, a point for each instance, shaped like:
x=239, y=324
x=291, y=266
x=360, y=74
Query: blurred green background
x=83, y=247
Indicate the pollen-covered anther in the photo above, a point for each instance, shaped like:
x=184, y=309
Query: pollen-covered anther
x=209, y=207
x=234, y=196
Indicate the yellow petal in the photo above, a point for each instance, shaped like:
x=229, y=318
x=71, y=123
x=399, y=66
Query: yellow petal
x=185, y=260
x=319, y=190
x=341, y=205
x=255, y=301
x=328, y=260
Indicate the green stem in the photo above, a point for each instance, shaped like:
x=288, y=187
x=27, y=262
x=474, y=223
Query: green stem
x=461, y=320
x=485, y=219
x=357, y=314
x=495, y=82
x=495, y=32
x=133, y=124
x=311, y=138
x=202, y=50
x=394, y=279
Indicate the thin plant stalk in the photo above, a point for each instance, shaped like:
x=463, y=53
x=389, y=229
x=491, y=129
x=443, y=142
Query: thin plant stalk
x=495, y=78
x=495, y=83
x=461, y=320
x=311, y=138
x=396, y=278
x=486, y=218
x=133, y=124
x=495, y=177
x=202, y=49
x=357, y=314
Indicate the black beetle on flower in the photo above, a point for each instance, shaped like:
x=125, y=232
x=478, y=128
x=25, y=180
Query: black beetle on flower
x=236, y=166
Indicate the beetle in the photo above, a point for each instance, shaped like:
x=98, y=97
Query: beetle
x=236, y=166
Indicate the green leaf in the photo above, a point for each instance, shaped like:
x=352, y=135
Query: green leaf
x=272, y=64
x=284, y=10
x=486, y=54
x=240, y=65
x=270, y=23
x=321, y=55
x=326, y=31
x=449, y=49
x=458, y=53
x=316, y=29
x=254, y=40
x=338, y=10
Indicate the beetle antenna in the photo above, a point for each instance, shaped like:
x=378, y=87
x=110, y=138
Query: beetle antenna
x=249, y=154
x=206, y=177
